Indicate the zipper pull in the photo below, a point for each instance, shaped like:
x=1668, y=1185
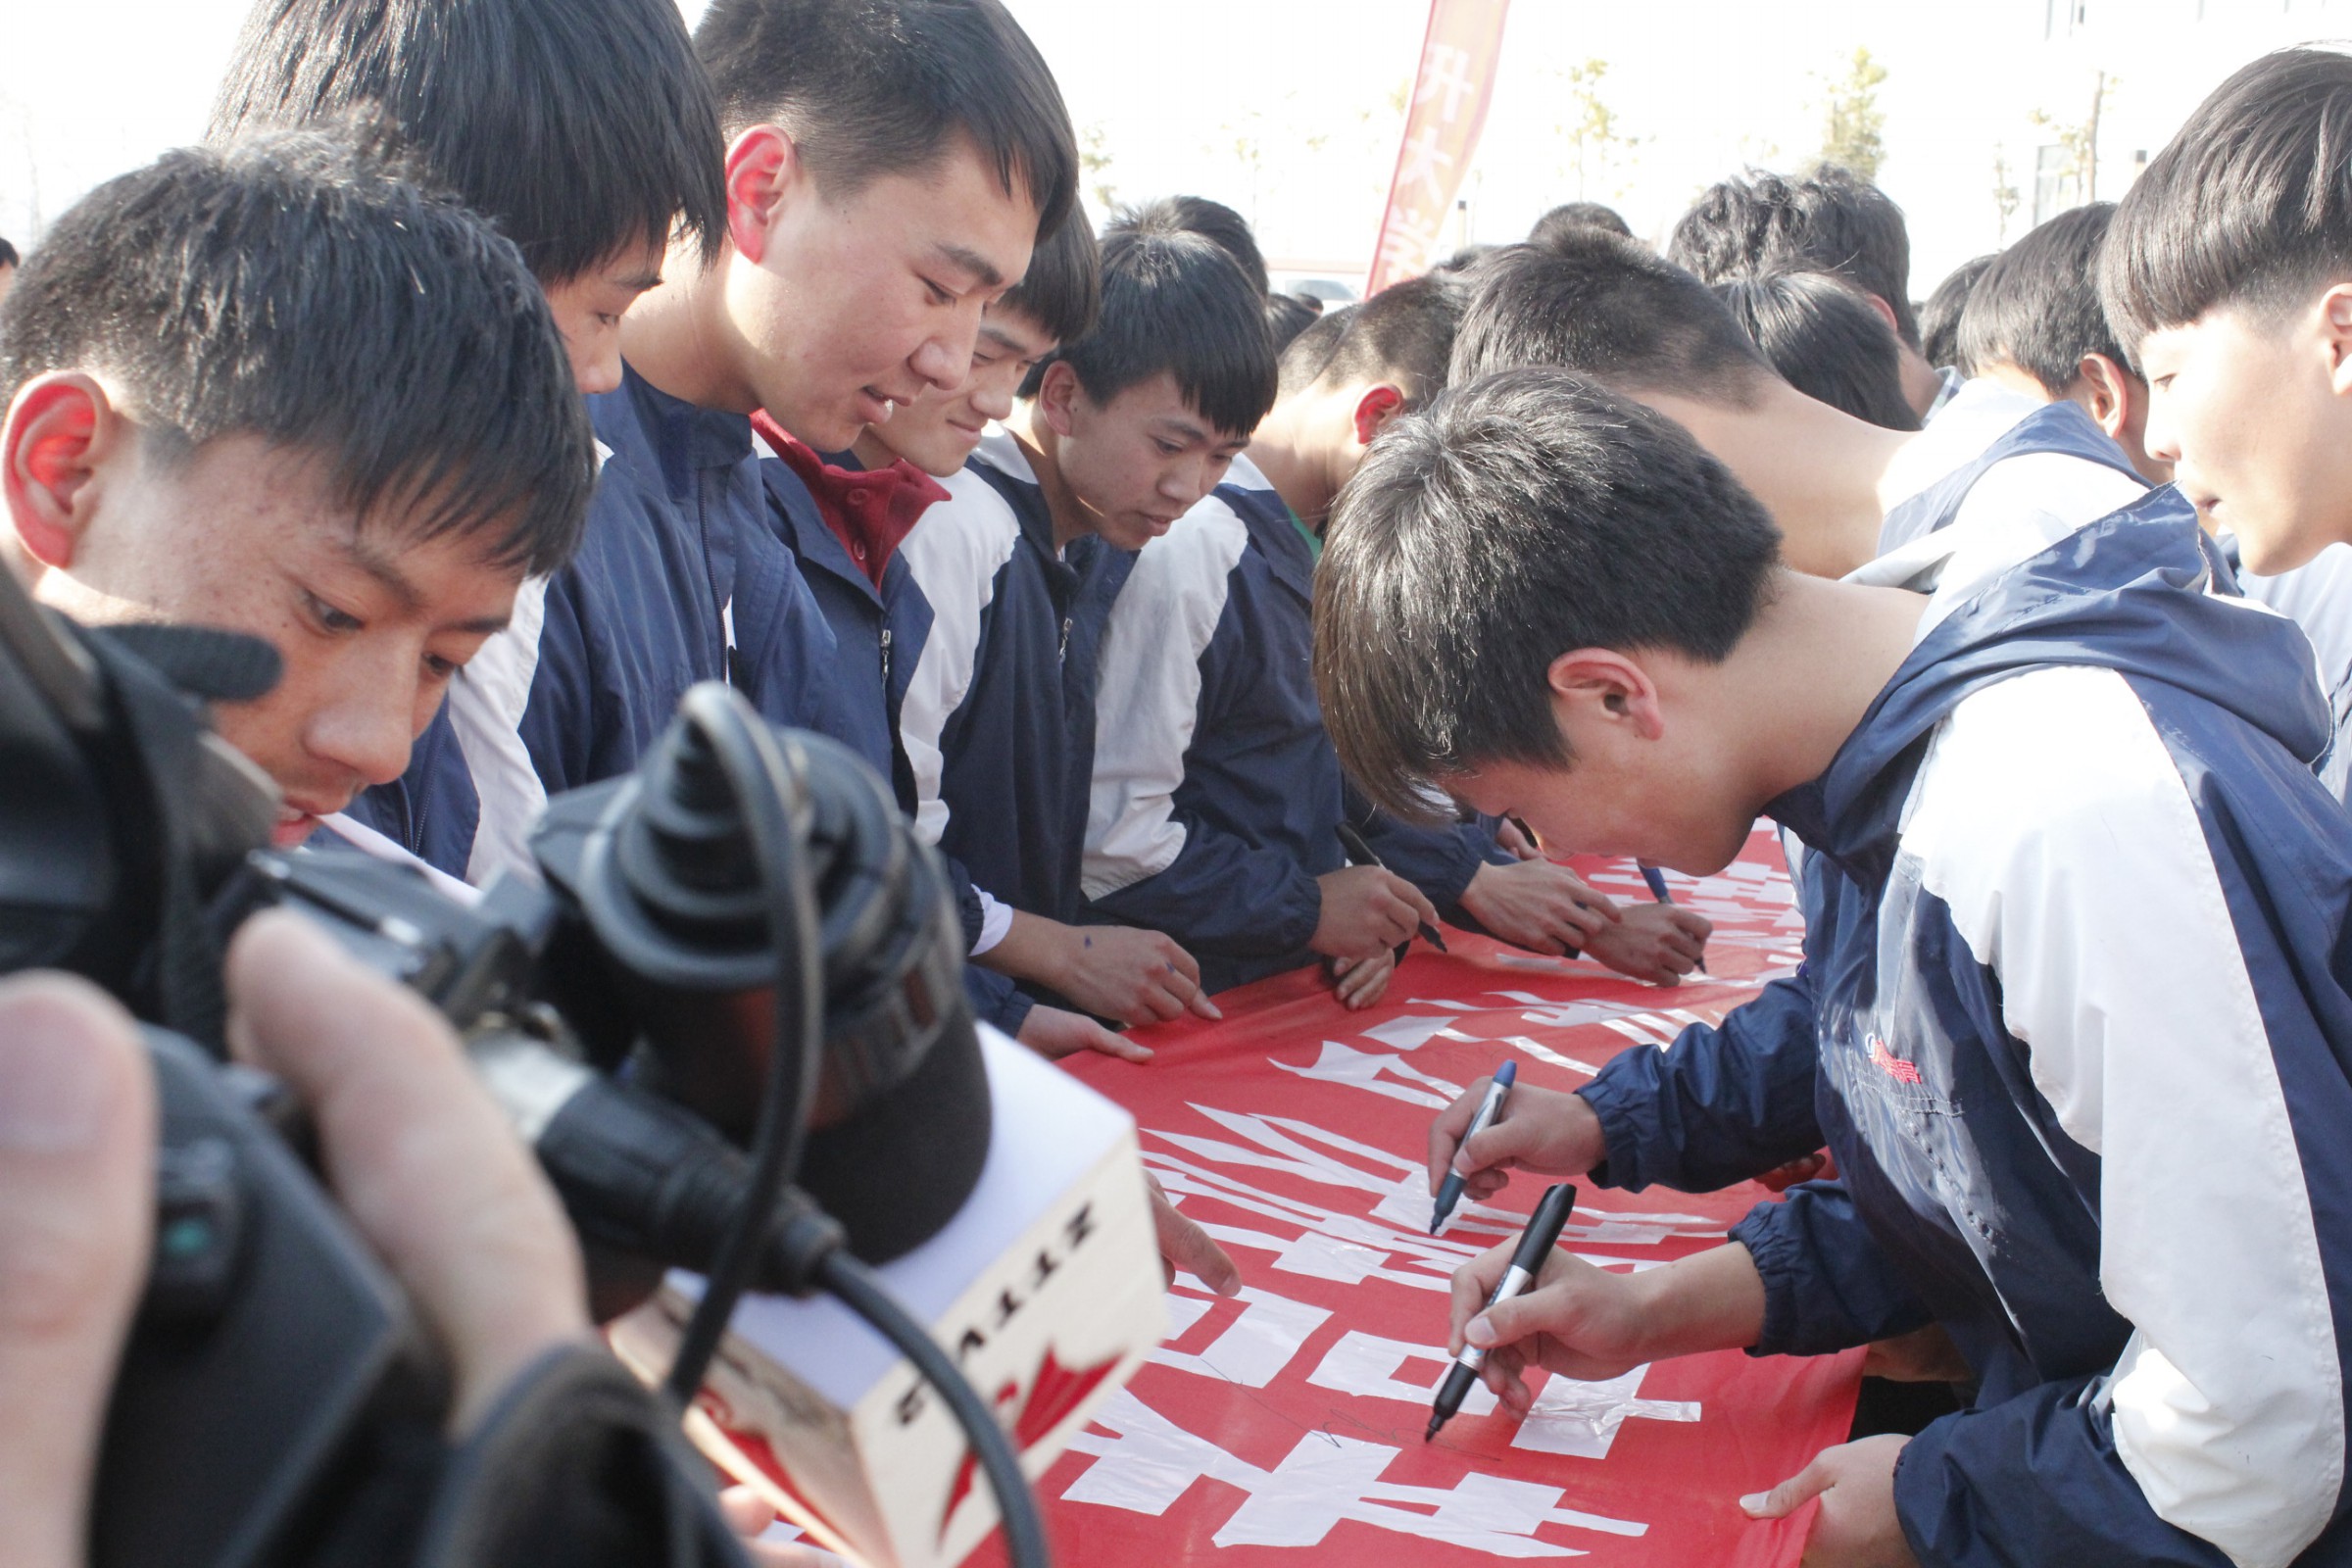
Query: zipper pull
x=885, y=658
x=1062, y=655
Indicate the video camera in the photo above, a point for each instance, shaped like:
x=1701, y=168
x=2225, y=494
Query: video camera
x=728, y=1017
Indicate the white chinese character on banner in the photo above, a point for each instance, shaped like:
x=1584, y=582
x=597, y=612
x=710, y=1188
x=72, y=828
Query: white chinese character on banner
x=1147, y=1463
x=1446, y=69
x=1424, y=166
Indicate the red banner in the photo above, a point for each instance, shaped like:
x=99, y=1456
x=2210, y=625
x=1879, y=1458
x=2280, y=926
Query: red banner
x=1455, y=83
x=1285, y=1427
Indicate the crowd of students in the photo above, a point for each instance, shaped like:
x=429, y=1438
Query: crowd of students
x=514, y=364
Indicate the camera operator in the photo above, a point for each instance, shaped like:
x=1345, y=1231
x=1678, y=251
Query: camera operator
x=412, y=1146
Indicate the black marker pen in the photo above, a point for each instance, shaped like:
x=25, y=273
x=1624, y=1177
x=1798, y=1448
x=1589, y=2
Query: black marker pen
x=1536, y=1242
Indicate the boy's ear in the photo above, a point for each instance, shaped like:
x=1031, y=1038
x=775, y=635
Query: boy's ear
x=1056, y=392
x=763, y=171
x=1374, y=410
x=2335, y=324
x=2113, y=392
x=60, y=432
x=1601, y=687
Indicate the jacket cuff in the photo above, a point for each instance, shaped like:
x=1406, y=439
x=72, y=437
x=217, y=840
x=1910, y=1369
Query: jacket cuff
x=1770, y=1237
x=1619, y=1105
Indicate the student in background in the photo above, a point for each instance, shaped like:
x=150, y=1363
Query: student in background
x=2035, y=323
x=1731, y=1102
x=883, y=635
x=1993, y=479
x=2228, y=274
x=272, y=387
x=1217, y=799
x=1825, y=340
x=2046, y=956
x=1830, y=221
x=1113, y=438
x=1214, y=222
x=586, y=131
x=1289, y=315
x=1571, y=216
x=8, y=267
x=1940, y=317
x=887, y=169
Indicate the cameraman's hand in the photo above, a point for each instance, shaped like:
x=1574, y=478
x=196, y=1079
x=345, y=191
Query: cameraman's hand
x=1659, y=943
x=1539, y=906
x=415, y=1151
x=1364, y=908
x=76, y=1208
x=1539, y=1129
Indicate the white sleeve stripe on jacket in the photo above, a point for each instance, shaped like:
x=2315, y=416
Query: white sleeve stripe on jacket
x=2121, y=970
x=1147, y=698
x=954, y=552
x=486, y=703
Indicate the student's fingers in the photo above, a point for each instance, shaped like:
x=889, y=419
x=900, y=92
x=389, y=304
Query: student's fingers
x=1108, y=1044
x=1539, y=1129
x=1176, y=958
x=1472, y=1284
x=420, y=1157
x=1365, y=980
x=1201, y=1006
x=77, y=1210
x=1416, y=903
x=1691, y=922
x=1793, y=1494
x=746, y=1511
x=1446, y=1132
x=1581, y=924
x=1186, y=1246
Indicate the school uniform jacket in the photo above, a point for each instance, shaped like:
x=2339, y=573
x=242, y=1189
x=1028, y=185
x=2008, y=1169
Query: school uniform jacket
x=2085, y=1045
x=998, y=720
x=878, y=635
x=1217, y=796
x=1724, y=1104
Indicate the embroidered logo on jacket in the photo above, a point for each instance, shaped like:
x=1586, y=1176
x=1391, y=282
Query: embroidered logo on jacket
x=1892, y=1065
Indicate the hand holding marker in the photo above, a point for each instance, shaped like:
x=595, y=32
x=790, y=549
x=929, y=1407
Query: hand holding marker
x=1449, y=1191
x=1657, y=889
x=1536, y=1242
x=1360, y=853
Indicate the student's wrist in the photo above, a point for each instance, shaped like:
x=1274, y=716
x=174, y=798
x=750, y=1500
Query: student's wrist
x=1711, y=1300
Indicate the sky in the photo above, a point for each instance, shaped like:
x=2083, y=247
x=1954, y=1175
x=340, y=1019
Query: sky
x=1291, y=110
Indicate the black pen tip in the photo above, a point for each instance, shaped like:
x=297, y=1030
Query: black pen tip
x=1435, y=1423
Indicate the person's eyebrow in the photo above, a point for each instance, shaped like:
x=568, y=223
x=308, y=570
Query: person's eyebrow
x=642, y=283
x=981, y=270
x=1188, y=429
x=1007, y=341
x=363, y=554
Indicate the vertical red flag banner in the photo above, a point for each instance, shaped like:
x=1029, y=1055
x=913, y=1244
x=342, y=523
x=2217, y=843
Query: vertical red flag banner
x=1459, y=54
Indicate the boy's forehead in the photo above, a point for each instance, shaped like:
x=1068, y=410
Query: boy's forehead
x=1014, y=331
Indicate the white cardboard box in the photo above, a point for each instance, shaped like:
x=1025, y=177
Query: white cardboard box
x=1045, y=1289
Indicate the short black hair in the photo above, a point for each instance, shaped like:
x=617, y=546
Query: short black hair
x=1063, y=291
x=1830, y=220
x=1174, y=301
x=581, y=128
x=8, y=254
x=1609, y=309
x=1825, y=340
x=290, y=287
x=1940, y=317
x=2251, y=201
x=1576, y=215
x=1521, y=516
x=875, y=87
x=1288, y=316
x=2037, y=306
x=1403, y=335
x=1212, y=221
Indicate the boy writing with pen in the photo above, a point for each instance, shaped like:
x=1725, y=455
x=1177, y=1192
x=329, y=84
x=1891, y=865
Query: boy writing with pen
x=2010, y=1028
